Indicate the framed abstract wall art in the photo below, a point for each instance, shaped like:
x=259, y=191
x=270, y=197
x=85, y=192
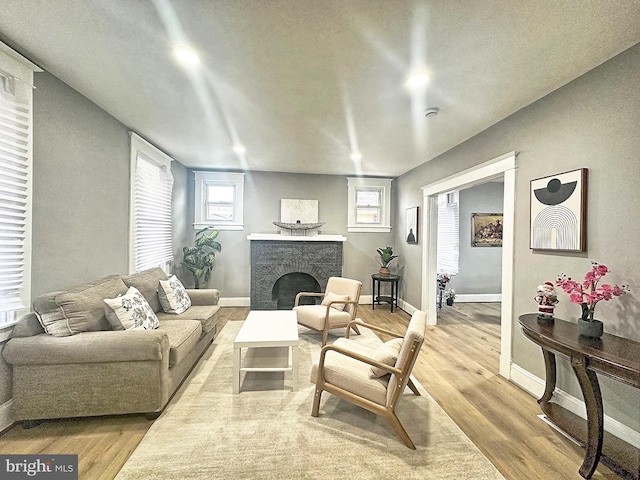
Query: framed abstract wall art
x=412, y=225
x=559, y=212
x=486, y=229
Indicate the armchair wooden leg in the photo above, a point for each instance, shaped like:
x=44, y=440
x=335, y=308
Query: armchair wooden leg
x=413, y=388
x=355, y=329
x=325, y=335
x=316, y=402
x=397, y=427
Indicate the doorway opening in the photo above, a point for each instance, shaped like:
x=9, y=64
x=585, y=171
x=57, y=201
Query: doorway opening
x=503, y=166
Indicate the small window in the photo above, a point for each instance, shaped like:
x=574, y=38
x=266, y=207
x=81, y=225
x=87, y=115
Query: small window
x=219, y=200
x=369, y=204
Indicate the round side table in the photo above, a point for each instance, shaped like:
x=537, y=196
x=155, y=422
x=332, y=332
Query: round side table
x=377, y=298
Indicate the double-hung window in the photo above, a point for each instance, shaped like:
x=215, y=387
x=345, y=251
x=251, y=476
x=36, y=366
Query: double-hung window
x=16, y=156
x=448, y=233
x=151, y=201
x=369, y=203
x=219, y=198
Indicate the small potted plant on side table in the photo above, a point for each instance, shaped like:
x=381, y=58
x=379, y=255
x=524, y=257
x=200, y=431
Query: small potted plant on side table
x=386, y=255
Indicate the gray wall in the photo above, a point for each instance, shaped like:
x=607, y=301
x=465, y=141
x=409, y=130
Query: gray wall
x=591, y=122
x=480, y=267
x=80, y=189
x=262, y=194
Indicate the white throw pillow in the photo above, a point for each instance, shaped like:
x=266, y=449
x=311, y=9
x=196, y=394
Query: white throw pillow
x=332, y=297
x=130, y=312
x=386, y=353
x=173, y=296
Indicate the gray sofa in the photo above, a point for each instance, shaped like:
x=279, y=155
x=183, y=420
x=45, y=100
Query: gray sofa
x=100, y=371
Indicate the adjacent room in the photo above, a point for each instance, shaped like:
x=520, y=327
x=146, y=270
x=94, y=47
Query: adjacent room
x=320, y=239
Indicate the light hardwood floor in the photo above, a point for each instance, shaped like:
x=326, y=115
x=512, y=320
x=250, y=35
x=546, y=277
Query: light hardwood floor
x=458, y=366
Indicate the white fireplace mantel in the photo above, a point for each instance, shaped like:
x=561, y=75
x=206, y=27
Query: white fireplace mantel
x=296, y=238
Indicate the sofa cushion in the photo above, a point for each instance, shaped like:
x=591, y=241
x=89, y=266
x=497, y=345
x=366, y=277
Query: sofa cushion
x=130, y=312
x=173, y=296
x=207, y=315
x=27, y=326
x=183, y=336
x=147, y=284
x=80, y=309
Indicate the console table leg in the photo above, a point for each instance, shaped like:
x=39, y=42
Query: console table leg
x=593, y=401
x=550, y=372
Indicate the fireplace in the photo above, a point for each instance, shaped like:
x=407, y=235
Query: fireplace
x=282, y=266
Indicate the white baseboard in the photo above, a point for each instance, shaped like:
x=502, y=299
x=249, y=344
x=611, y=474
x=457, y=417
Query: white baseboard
x=235, y=302
x=535, y=386
x=5, y=416
x=478, y=297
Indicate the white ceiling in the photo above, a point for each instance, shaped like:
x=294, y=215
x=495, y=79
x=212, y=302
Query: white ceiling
x=299, y=82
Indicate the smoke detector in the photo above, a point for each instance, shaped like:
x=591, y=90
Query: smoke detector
x=431, y=112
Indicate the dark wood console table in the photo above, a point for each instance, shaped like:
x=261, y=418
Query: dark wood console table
x=613, y=356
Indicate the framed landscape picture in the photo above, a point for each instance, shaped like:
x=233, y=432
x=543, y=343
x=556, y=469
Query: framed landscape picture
x=486, y=229
x=412, y=225
x=559, y=212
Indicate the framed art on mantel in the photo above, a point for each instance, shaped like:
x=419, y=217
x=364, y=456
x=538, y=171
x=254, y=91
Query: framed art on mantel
x=559, y=212
x=412, y=225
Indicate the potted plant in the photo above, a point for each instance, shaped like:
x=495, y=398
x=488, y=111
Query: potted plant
x=450, y=295
x=201, y=258
x=588, y=293
x=386, y=255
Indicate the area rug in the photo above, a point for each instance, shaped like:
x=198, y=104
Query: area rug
x=267, y=430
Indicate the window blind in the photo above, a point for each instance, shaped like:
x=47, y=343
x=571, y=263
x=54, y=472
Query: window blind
x=15, y=153
x=448, y=233
x=153, y=187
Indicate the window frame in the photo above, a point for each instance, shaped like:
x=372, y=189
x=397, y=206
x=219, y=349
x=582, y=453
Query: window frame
x=204, y=179
x=381, y=185
x=151, y=154
x=16, y=74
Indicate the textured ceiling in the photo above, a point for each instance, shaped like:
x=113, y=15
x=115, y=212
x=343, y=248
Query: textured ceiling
x=300, y=83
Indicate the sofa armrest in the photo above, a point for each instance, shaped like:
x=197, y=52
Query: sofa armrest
x=204, y=296
x=88, y=347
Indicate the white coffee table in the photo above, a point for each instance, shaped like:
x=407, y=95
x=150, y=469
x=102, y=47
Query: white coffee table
x=271, y=340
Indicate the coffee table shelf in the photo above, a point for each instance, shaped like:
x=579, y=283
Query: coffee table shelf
x=266, y=359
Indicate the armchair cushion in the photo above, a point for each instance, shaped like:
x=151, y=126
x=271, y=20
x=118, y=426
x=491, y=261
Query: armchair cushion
x=334, y=297
x=313, y=316
x=351, y=374
x=386, y=353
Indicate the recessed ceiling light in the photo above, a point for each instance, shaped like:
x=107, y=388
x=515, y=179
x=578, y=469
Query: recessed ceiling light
x=239, y=149
x=431, y=112
x=417, y=79
x=356, y=155
x=187, y=56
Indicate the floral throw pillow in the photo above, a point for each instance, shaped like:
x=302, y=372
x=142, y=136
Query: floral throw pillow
x=130, y=311
x=173, y=296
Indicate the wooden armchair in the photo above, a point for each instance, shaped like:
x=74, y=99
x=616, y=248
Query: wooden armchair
x=339, y=306
x=369, y=377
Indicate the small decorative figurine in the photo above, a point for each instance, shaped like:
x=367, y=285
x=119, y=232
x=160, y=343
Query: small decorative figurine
x=547, y=300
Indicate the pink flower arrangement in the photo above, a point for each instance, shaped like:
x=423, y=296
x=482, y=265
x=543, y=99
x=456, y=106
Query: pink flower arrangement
x=590, y=291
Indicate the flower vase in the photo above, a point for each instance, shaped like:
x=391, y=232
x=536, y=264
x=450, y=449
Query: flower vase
x=592, y=329
x=450, y=301
x=384, y=272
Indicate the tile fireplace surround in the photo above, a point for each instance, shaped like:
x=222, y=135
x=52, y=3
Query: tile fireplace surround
x=273, y=256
